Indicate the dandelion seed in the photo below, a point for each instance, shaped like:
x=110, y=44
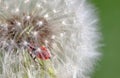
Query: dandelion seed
x=63, y=22
x=25, y=43
x=38, y=5
x=38, y=50
x=26, y=1
x=35, y=33
x=40, y=23
x=6, y=7
x=46, y=16
x=46, y=42
x=18, y=23
x=54, y=11
x=61, y=34
x=17, y=10
x=53, y=37
x=27, y=17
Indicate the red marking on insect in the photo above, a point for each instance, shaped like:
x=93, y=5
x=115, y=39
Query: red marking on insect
x=43, y=53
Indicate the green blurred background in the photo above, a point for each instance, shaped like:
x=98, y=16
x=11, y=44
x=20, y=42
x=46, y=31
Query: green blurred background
x=109, y=13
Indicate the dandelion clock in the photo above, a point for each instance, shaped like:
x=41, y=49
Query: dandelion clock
x=47, y=39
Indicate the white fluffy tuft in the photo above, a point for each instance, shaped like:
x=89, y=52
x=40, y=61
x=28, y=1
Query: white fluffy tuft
x=74, y=39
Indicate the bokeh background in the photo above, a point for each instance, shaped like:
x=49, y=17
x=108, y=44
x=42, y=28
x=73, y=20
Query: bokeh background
x=109, y=14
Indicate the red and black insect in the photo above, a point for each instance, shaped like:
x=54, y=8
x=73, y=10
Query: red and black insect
x=41, y=52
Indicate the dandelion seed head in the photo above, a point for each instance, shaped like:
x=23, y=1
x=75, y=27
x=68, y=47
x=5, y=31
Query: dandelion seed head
x=33, y=31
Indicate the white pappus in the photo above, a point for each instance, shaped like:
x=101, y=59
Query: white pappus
x=62, y=35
